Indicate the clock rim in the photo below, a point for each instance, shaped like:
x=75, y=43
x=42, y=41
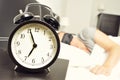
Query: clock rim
x=35, y=69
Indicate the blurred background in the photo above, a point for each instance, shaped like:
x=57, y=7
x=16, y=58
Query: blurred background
x=77, y=14
x=74, y=15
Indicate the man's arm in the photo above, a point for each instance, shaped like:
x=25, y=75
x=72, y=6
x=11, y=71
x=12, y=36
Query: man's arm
x=113, y=50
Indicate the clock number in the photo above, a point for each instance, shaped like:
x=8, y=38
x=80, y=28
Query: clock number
x=28, y=31
x=26, y=57
x=50, y=38
x=51, y=46
x=33, y=60
x=37, y=29
x=42, y=60
x=48, y=54
x=44, y=32
x=19, y=52
x=17, y=43
x=22, y=36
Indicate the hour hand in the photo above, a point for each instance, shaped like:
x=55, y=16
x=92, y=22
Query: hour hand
x=31, y=51
x=34, y=46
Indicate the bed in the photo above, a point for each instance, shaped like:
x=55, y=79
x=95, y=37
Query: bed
x=81, y=62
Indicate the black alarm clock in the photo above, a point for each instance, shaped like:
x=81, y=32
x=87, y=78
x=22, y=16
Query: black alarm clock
x=33, y=45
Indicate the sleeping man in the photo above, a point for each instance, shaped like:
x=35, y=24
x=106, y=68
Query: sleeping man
x=86, y=40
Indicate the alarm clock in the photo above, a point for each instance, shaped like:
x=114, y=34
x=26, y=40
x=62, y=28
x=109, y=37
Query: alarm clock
x=33, y=45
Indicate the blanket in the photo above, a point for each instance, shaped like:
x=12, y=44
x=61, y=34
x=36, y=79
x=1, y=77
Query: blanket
x=81, y=62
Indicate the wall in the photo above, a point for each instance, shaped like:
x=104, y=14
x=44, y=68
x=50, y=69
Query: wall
x=59, y=7
x=77, y=14
x=56, y=5
x=74, y=14
x=108, y=6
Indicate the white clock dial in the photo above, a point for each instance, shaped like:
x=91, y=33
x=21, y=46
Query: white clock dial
x=34, y=45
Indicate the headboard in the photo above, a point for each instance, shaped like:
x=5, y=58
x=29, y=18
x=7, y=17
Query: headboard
x=109, y=23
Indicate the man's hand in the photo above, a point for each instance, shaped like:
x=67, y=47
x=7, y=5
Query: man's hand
x=101, y=70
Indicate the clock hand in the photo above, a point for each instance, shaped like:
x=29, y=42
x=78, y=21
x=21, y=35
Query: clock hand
x=32, y=37
x=34, y=46
x=30, y=51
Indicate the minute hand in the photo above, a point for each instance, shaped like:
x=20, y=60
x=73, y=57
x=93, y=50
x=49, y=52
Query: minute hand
x=32, y=37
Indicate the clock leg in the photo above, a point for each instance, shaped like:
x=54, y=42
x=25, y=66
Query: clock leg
x=19, y=69
x=16, y=67
x=47, y=70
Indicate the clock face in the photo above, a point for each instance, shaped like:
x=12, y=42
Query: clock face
x=34, y=45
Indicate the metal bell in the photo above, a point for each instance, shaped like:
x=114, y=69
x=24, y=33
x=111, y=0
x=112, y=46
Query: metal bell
x=23, y=17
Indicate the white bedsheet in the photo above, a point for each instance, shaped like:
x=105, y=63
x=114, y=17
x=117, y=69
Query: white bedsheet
x=81, y=62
